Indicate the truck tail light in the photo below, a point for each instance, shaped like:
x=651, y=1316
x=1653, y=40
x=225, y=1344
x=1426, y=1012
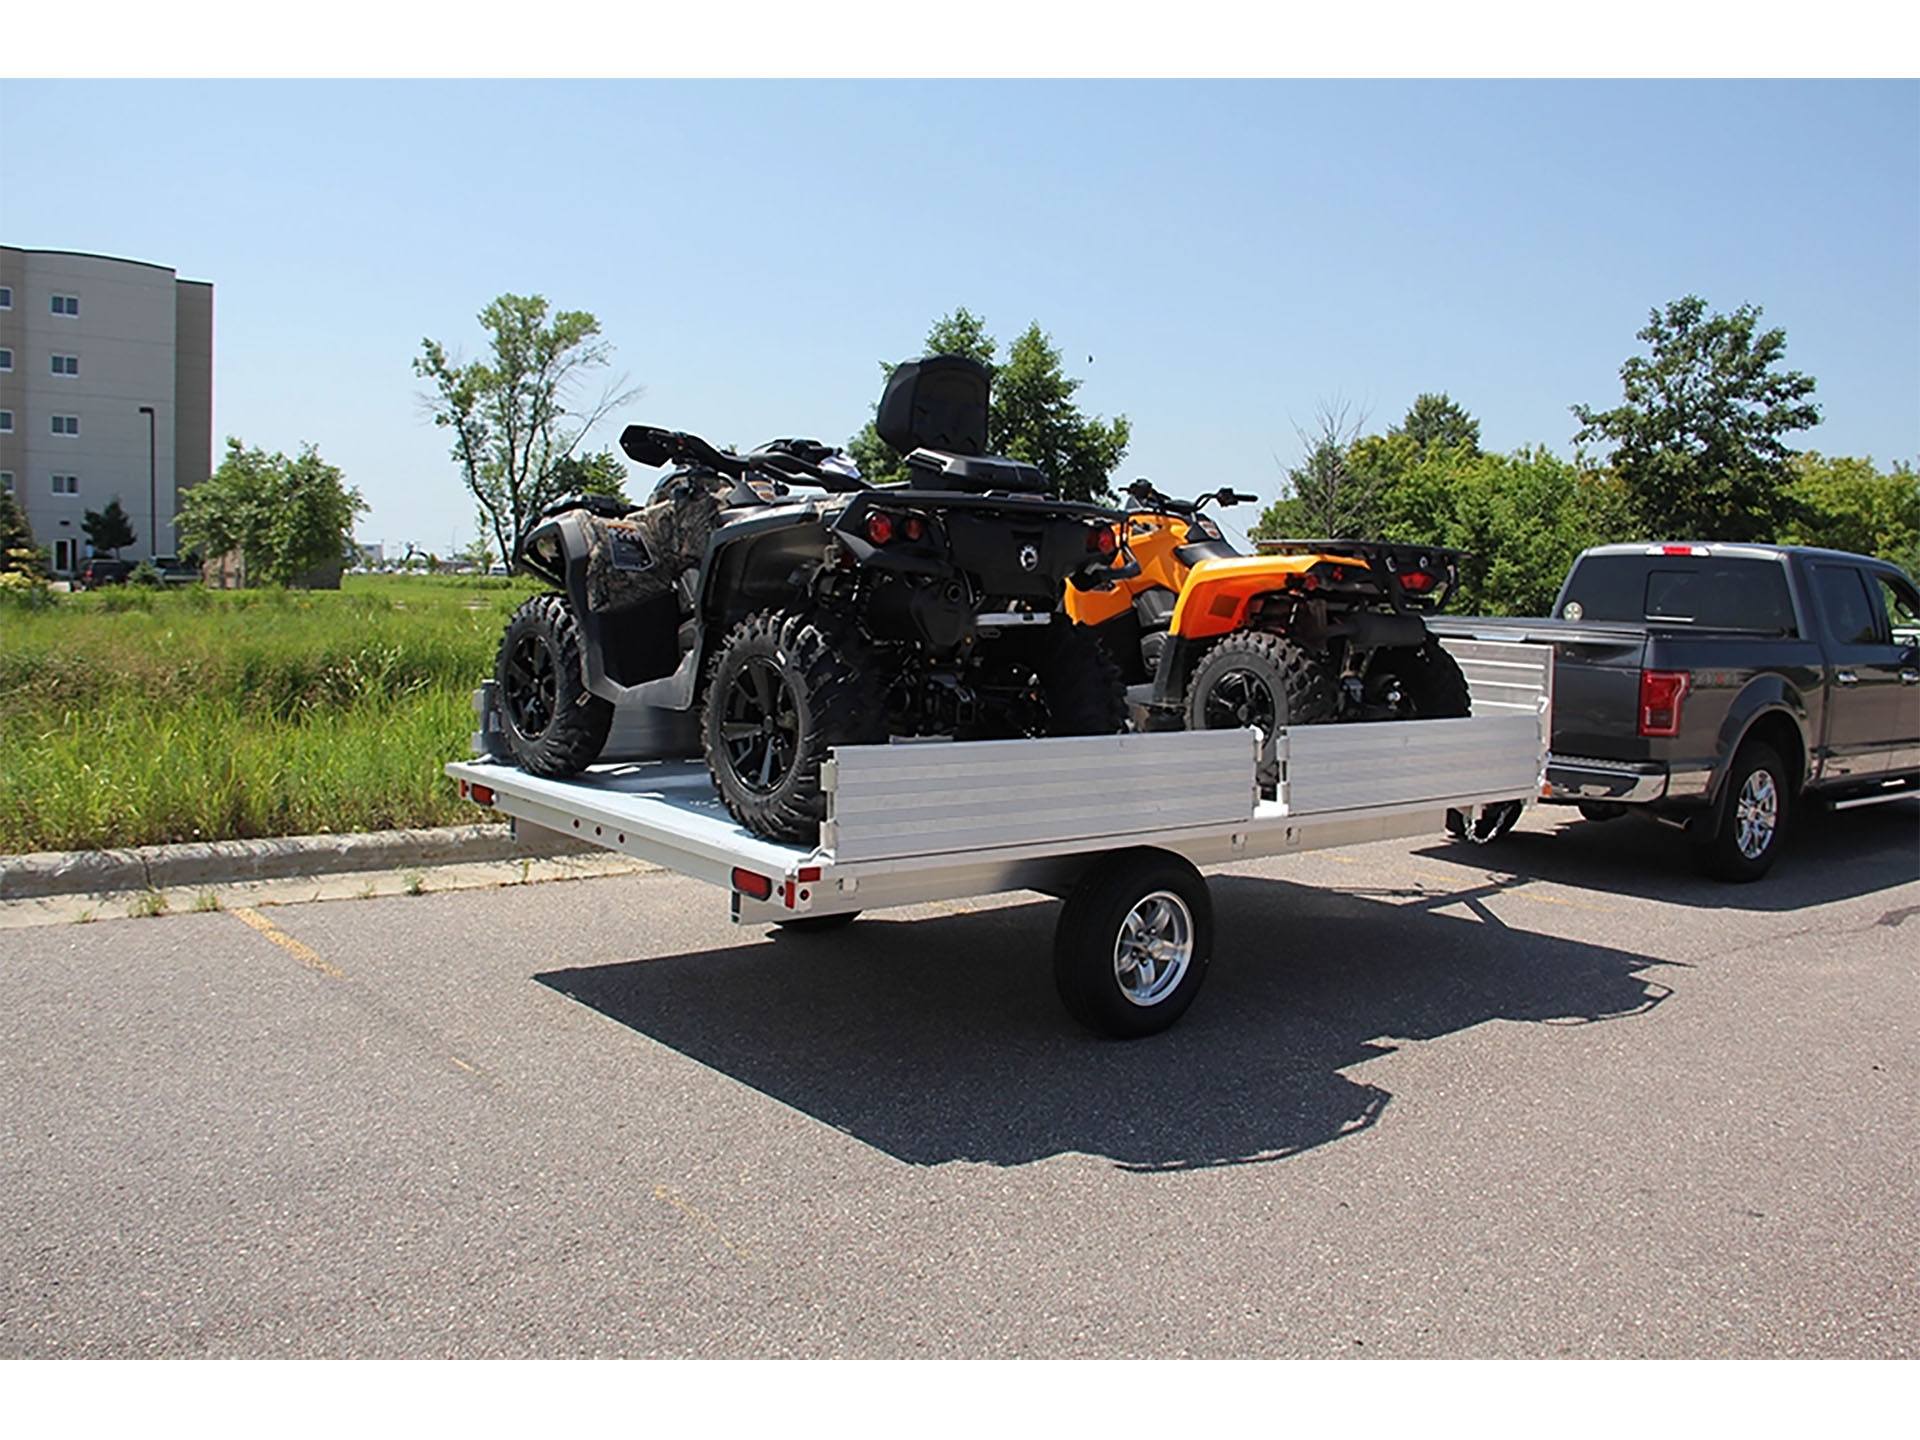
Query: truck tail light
x=1661, y=693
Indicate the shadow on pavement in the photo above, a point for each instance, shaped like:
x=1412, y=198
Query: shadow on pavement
x=940, y=1039
x=1829, y=856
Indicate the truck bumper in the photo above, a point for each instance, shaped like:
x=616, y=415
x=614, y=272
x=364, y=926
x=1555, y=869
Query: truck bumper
x=1573, y=778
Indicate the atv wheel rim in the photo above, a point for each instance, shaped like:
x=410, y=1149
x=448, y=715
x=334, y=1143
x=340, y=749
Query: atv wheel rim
x=1756, y=815
x=1239, y=699
x=533, y=687
x=1154, y=948
x=760, y=726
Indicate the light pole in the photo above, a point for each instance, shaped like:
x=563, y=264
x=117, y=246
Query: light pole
x=153, y=494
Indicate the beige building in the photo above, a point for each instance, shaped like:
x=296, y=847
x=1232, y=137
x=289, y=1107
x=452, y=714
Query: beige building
x=106, y=390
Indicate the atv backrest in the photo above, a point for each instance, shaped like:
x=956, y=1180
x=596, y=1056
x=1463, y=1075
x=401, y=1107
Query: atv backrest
x=936, y=403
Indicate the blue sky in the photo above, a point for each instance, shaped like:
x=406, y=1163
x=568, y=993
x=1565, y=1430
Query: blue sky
x=1229, y=253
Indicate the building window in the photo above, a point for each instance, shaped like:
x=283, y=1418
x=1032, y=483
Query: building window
x=66, y=484
x=66, y=424
x=6, y=481
x=6, y=359
x=66, y=364
x=63, y=553
x=6, y=297
x=6, y=422
x=66, y=305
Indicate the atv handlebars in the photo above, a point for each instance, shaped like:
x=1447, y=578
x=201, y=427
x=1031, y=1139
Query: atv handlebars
x=1143, y=491
x=786, y=459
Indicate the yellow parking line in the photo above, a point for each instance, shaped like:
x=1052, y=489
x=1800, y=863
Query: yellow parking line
x=305, y=954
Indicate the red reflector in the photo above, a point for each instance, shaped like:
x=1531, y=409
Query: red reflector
x=1103, y=540
x=482, y=794
x=748, y=883
x=1661, y=694
x=807, y=874
x=1418, y=581
x=463, y=789
x=879, y=527
x=915, y=527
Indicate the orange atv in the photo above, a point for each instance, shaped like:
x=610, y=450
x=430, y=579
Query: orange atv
x=1306, y=632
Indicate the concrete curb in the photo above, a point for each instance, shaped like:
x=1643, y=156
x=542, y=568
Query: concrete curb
x=227, y=862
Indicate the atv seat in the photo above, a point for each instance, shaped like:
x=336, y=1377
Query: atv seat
x=934, y=411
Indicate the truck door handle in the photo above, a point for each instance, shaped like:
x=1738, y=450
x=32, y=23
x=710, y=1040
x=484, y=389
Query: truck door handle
x=1847, y=677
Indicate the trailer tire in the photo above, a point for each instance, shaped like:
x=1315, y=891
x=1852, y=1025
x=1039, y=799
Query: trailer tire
x=1131, y=947
x=1752, y=818
x=817, y=924
x=549, y=722
x=1485, y=824
x=1252, y=678
x=812, y=683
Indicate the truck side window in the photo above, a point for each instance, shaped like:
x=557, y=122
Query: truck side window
x=1844, y=601
x=1902, y=603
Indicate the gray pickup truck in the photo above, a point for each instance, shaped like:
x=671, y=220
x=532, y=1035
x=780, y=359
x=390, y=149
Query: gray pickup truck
x=1717, y=686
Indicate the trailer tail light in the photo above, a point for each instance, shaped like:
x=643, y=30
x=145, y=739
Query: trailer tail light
x=879, y=527
x=1102, y=542
x=479, y=794
x=1661, y=693
x=758, y=887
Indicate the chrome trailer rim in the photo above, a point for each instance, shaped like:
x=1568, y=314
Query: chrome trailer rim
x=1154, y=948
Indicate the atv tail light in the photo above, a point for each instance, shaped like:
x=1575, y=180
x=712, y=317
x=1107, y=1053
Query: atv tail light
x=1418, y=581
x=1103, y=541
x=1661, y=694
x=758, y=887
x=880, y=527
x=915, y=527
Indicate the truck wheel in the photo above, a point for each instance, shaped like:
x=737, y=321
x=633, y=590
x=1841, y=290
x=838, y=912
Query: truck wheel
x=550, y=723
x=1752, y=818
x=1132, y=944
x=785, y=689
x=1484, y=825
x=1259, y=680
x=1426, y=680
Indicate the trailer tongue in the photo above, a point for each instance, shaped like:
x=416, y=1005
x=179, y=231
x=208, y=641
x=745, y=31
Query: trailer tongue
x=1117, y=825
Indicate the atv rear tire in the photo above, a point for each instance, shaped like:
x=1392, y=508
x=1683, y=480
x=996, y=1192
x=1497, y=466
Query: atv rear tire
x=549, y=722
x=785, y=688
x=1252, y=678
x=1430, y=679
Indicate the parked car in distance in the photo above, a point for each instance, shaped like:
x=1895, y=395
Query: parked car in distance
x=101, y=570
x=175, y=571
x=1717, y=686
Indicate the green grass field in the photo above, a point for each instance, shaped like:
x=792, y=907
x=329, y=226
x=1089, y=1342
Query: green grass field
x=131, y=717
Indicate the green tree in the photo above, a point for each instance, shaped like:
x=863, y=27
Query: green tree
x=600, y=473
x=108, y=529
x=1325, y=493
x=18, y=553
x=1523, y=518
x=518, y=415
x=1699, y=441
x=285, y=516
x=1434, y=421
x=1848, y=503
x=1032, y=415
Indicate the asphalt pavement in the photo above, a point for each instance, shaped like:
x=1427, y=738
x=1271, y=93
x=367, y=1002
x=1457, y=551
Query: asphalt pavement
x=1557, y=1097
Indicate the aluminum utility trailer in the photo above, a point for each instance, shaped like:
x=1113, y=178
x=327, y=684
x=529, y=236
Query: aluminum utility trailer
x=1116, y=825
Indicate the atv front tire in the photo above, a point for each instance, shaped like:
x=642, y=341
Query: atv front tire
x=1259, y=680
x=550, y=723
x=1430, y=681
x=785, y=688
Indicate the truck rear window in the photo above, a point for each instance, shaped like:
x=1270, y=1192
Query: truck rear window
x=1715, y=592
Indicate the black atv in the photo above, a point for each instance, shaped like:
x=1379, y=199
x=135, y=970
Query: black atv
x=796, y=608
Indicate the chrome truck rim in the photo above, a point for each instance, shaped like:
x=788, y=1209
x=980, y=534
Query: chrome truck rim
x=1154, y=948
x=1756, y=814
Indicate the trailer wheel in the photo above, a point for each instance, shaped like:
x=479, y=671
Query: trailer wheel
x=817, y=924
x=1484, y=825
x=1132, y=944
x=549, y=722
